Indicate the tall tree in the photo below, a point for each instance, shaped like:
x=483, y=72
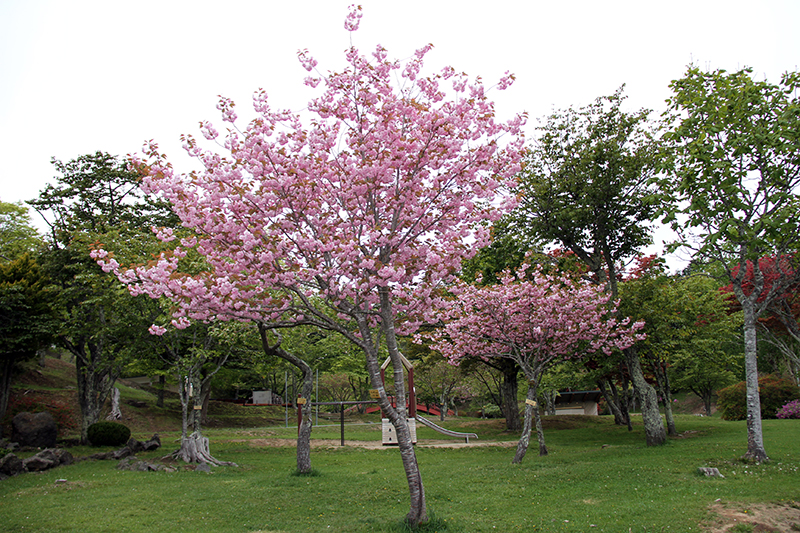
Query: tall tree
x=734, y=180
x=586, y=186
x=351, y=223
x=96, y=199
x=537, y=322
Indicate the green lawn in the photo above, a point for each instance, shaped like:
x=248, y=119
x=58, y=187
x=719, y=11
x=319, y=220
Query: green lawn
x=598, y=477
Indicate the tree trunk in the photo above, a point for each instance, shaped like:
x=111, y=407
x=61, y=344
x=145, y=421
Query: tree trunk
x=509, y=390
x=539, y=430
x=612, y=401
x=6, y=368
x=94, y=381
x=651, y=416
x=662, y=379
x=525, y=438
x=418, y=513
x=116, y=413
x=755, y=436
x=304, y=431
x=162, y=384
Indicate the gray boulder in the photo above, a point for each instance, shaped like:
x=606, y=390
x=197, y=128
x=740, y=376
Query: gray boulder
x=44, y=460
x=11, y=465
x=38, y=430
x=153, y=444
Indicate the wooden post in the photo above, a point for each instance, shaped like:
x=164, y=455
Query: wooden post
x=341, y=419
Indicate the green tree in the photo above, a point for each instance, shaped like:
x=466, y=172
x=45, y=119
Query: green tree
x=733, y=179
x=586, y=186
x=96, y=199
x=27, y=319
x=691, y=334
x=17, y=234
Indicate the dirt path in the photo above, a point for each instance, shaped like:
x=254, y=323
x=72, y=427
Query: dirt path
x=761, y=518
x=333, y=443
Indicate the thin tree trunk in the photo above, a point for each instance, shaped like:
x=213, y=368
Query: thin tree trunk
x=418, y=512
x=662, y=380
x=115, y=413
x=527, y=424
x=304, y=431
x=6, y=369
x=611, y=401
x=162, y=384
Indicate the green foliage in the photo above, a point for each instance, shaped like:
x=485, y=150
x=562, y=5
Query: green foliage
x=775, y=392
x=26, y=308
x=17, y=234
x=586, y=184
x=732, y=161
x=108, y=434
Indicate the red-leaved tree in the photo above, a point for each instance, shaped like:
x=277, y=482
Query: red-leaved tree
x=349, y=217
x=780, y=292
x=536, y=320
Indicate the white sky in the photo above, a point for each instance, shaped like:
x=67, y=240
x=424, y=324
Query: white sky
x=80, y=76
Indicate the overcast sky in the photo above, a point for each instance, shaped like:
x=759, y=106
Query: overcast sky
x=80, y=76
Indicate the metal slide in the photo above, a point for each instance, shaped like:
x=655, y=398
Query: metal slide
x=440, y=429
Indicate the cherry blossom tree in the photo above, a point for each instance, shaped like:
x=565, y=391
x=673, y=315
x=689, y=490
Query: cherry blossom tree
x=536, y=320
x=349, y=217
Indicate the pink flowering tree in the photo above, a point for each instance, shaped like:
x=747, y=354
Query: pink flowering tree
x=350, y=216
x=536, y=320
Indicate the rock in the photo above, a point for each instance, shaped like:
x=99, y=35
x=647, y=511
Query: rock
x=153, y=444
x=6, y=445
x=122, y=453
x=203, y=467
x=709, y=472
x=64, y=457
x=132, y=463
x=11, y=465
x=136, y=403
x=44, y=460
x=135, y=445
x=101, y=456
x=38, y=430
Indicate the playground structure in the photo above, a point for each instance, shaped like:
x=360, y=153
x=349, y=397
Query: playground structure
x=389, y=435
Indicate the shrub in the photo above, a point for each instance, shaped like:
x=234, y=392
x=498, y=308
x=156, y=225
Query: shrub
x=790, y=410
x=35, y=404
x=774, y=392
x=108, y=434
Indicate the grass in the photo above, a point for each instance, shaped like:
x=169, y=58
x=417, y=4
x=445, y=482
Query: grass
x=598, y=477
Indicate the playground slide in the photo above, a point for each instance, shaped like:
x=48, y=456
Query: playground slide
x=449, y=432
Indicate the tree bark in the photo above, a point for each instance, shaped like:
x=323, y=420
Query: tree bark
x=116, y=413
x=612, y=400
x=509, y=390
x=755, y=435
x=6, y=368
x=304, y=431
x=527, y=424
x=651, y=416
x=418, y=513
x=162, y=384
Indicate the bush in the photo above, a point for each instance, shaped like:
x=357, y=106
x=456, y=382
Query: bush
x=37, y=404
x=773, y=390
x=108, y=434
x=790, y=410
